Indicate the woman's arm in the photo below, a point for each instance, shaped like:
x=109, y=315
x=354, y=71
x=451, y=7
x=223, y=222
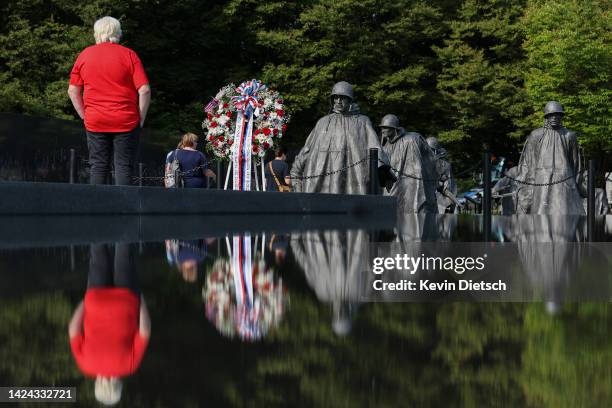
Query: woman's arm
x=145, y=319
x=76, y=96
x=210, y=173
x=75, y=326
x=144, y=100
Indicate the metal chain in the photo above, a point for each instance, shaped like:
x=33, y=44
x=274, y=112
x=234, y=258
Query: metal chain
x=540, y=184
x=330, y=172
x=162, y=178
x=454, y=176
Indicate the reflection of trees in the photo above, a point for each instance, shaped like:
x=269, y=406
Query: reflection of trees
x=397, y=355
x=567, y=360
x=33, y=321
x=437, y=355
x=33, y=344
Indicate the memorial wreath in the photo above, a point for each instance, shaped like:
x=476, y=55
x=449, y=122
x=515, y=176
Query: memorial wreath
x=251, y=109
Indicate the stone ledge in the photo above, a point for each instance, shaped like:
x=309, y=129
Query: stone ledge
x=29, y=198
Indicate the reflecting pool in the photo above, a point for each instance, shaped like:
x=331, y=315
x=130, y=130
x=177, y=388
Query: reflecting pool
x=272, y=314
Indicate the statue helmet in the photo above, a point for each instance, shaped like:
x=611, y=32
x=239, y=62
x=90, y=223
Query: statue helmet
x=343, y=88
x=553, y=107
x=390, y=121
x=433, y=143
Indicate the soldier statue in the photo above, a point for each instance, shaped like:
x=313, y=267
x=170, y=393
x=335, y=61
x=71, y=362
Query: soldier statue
x=551, y=159
x=447, y=189
x=334, y=158
x=409, y=155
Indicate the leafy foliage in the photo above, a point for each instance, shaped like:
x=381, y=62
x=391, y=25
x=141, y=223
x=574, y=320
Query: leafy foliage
x=472, y=73
x=569, y=48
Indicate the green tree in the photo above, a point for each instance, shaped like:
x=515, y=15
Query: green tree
x=569, y=51
x=481, y=80
x=382, y=47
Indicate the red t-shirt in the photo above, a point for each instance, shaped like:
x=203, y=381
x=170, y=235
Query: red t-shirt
x=111, y=344
x=111, y=75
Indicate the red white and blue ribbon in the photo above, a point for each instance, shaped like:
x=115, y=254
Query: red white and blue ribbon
x=247, y=106
x=247, y=310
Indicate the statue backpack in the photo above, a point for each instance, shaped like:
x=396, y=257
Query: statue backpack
x=174, y=179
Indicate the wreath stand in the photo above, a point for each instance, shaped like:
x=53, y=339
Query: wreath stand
x=255, y=165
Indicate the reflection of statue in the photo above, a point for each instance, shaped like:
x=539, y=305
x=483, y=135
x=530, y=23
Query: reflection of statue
x=410, y=155
x=446, y=189
x=338, y=140
x=508, y=190
x=419, y=227
x=242, y=293
x=549, y=254
x=550, y=155
x=109, y=330
x=335, y=264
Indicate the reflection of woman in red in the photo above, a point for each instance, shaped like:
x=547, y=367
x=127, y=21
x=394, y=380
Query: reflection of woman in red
x=109, y=330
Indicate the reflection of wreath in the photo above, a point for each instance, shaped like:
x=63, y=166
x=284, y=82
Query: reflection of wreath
x=270, y=120
x=229, y=318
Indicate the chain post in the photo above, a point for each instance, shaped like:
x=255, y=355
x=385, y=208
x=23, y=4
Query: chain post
x=591, y=201
x=486, y=196
x=374, y=182
x=72, y=170
x=140, y=173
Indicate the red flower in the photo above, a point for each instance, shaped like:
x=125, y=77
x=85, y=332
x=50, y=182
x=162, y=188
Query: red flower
x=211, y=138
x=279, y=101
x=255, y=149
x=266, y=131
x=213, y=124
x=209, y=116
x=275, y=132
x=280, y=113
x=257, y=131
x=221, y=138
x=266, y=145
x=217, y=116
x=225, y=105
x=230, y=142
x=216, y=144
x=266, y=114
x=284, y=128
x=229, y=114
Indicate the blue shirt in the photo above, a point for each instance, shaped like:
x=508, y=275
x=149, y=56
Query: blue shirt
x=189, y=160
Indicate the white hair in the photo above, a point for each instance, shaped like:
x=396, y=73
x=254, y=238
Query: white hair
x=108, y=390
x=107, y=29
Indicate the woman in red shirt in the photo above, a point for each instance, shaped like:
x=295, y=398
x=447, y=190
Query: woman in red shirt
x=111, y=94
x=110, y=329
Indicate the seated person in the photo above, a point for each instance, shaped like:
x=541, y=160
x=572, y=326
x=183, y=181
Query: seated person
x=193, y=163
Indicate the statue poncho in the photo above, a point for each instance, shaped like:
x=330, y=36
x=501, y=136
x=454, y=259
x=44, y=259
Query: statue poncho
x=410, y=155
x=337, y=141
x=446, y=184
x=550, y=155
x=335, y=268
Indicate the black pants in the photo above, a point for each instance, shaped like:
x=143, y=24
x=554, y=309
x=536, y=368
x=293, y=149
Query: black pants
x=106, y=270
x=122, y=147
